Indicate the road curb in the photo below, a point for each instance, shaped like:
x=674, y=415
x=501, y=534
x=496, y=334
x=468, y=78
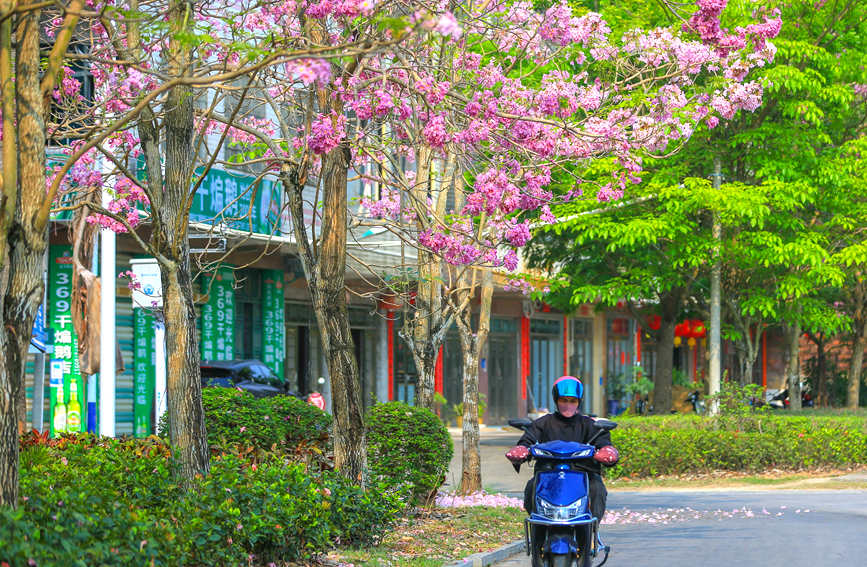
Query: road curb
x=487, y=558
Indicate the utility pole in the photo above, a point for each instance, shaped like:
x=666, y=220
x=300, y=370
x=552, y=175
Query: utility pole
x=715, y=354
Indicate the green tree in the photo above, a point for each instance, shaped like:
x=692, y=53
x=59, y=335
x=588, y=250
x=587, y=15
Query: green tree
x=775, y=256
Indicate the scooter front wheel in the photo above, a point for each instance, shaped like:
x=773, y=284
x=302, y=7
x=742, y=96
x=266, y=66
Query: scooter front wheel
x=585, y=543
x=561, y=560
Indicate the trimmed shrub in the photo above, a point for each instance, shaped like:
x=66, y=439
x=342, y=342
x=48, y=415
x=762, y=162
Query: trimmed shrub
x=408, y=448
x=688, y=444
x=94, y=501
x=279, y=424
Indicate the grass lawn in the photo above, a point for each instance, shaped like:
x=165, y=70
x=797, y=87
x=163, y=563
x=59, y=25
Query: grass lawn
x=439, y=536
x=824, y=480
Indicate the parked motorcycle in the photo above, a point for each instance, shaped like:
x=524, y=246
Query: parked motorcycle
x=562, y=531
x=699, y=406
x=779, y=399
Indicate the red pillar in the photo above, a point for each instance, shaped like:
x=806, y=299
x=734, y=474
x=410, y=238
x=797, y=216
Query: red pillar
x=638, y=344
x=695, y=363
x=438, y=373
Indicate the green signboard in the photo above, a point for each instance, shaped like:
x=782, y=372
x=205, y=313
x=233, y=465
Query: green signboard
x=67, y=387
x=273, y=332
x=218, y=316
x=144, y=371
x=240, y=201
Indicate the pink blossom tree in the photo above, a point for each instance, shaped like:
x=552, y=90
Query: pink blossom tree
x=175, y=81
x=488, y=101
x=505, y=99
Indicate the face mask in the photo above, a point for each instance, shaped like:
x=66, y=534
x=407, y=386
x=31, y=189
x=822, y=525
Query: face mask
x=567, y=409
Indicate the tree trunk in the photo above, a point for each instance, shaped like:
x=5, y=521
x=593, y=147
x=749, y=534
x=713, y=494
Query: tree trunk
x=821, y=378
x=350, y=454
x=169, y=239
x=662, y=396
x=325, y=275
x=24, y=247
x=427, y=327
x=670, y=305
x=793, y=365
x=9, y=385
x=183, y=374
x=432, y=313
x=853, y=386
x=472, y=346
x=424, y=355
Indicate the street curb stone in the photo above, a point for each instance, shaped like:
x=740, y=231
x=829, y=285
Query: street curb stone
x=487, y=558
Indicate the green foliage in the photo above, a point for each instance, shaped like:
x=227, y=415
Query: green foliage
x=281, y=424
x=408, y=447
x=107, y=502
x=737, y=403
x=680, y=445
x=642, y=386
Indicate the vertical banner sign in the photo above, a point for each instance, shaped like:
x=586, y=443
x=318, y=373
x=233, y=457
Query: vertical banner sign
x=273, y=304
x=218, y=316
x=144, y=371
x=64, y=362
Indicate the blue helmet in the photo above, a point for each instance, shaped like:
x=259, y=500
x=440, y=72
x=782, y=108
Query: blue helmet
x=568, y=386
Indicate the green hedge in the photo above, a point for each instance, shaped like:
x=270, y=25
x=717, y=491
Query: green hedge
x=408, y=447
x=104, y=502
x=677, y=445
x=279, y=424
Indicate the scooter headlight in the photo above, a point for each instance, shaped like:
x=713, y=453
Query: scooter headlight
x=568, y=512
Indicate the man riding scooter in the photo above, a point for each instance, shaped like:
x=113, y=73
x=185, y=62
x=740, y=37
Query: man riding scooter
x=568, y=424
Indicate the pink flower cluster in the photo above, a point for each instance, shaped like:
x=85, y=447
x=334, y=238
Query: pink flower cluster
x=309, y=71
x=340, y=8
x=706, y=23
x=125, y=205
x=326, y=132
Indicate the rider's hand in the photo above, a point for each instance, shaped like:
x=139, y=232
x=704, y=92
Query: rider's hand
x=518, y=454
x=606, y=455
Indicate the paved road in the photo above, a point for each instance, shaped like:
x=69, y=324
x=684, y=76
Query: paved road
x=778, y=528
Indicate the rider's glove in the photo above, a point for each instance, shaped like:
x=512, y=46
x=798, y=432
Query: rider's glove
x=518, y=454
x=606, y=455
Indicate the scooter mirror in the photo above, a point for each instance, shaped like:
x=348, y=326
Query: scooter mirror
x=605, y=424
x=521, y=423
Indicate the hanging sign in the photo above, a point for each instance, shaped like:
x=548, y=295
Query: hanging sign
x=238, y=201
x=64, y=362
x=144, y=371
x=218, y=316
x=149, y=291
x=273, y=315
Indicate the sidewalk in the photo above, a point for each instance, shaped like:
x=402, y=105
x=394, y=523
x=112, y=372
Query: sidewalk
x=497, y=473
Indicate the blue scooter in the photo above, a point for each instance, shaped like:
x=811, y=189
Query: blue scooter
x=562, y=531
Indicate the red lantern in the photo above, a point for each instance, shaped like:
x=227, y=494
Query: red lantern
x=681, y=329
x=697, y=329
x=654, y=322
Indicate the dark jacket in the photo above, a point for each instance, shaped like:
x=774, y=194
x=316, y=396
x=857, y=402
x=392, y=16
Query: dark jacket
x=555, y=427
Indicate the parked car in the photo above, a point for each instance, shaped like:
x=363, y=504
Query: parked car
x=250, y=375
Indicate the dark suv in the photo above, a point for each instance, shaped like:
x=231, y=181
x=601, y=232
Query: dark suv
x=249, y=375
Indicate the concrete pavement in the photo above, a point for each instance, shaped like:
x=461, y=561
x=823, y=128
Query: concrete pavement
x=839, y=514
